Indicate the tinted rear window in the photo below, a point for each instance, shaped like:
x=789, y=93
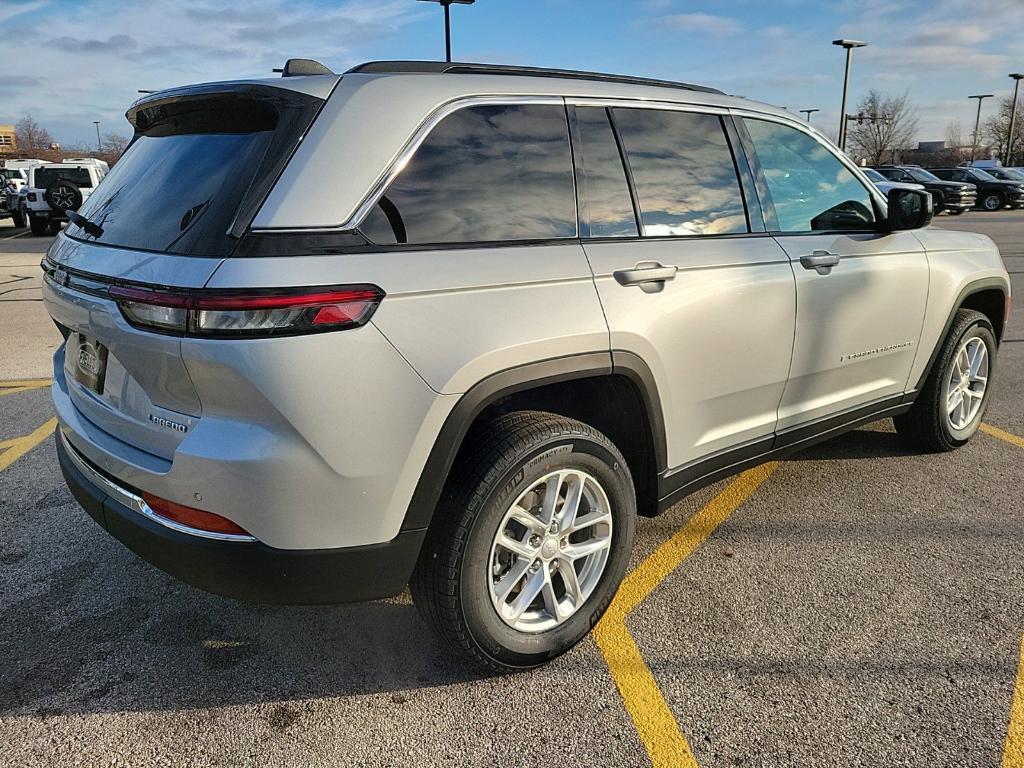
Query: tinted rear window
x=44, y=177
x=178, y=187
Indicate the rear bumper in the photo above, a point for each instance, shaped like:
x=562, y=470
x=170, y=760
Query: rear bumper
x=245, y=570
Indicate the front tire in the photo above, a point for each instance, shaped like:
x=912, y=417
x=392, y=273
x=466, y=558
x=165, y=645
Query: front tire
x=530, y=541
x=951, y=404
x=992, y=202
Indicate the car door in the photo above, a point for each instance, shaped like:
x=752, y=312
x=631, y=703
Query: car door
x=860, y=291
x=685, y=283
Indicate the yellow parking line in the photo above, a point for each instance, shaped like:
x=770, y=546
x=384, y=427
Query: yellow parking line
x=1008, y=437
x=22, y=385
x=665, y=744
x=19, y=446
x=1013, y=752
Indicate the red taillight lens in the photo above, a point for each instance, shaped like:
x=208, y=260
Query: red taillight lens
x=257, y=313
x=31, y=197
x=1006, y=311
x=193, y=518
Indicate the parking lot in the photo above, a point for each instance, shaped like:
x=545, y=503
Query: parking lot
x=854, y=605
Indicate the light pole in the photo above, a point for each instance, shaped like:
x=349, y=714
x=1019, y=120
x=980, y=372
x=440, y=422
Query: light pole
x=99, y=144
x=809, y=112
x=977, y=121
x=1017, y=76
x=446, y=4
x=849, y=45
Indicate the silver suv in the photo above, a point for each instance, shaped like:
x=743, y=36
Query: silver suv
x=458, y=325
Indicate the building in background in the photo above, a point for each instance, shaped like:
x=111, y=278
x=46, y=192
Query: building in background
x=8, y=145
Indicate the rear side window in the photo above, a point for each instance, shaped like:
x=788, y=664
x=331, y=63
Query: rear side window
x=683, y=171
x=812, y=191
x=606, y=208
x=484, y=174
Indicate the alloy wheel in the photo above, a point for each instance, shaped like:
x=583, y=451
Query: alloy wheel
x=966, y=384
x=550, y=551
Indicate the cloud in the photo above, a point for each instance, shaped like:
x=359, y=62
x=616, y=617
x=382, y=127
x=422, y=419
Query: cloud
x=13, y=8
x=701, y=23
x=114, y=44
x=951, y=33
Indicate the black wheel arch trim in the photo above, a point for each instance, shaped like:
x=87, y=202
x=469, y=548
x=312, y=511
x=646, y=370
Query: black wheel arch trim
x=977, y=286
x=510, y=381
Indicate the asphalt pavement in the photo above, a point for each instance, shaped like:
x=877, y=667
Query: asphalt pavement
x=862, y=606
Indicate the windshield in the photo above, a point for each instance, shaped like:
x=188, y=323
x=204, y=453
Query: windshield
x=1007, y=174
x=920, y=174
x=981, y=175
x=45, y=177
x=874, y=175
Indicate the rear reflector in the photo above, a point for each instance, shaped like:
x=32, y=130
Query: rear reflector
x=248, y=313
x=193, y=518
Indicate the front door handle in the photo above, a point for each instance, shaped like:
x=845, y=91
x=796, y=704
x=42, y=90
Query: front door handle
x=820, y=261
x=649, y=275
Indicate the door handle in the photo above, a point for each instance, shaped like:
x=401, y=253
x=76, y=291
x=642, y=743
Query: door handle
x=649, y=275
x=820, y=261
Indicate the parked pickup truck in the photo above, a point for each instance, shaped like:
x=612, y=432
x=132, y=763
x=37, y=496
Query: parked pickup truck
x=11, y=180
x=954, y=197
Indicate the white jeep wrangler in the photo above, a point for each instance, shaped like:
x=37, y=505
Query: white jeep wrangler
x=57, y=188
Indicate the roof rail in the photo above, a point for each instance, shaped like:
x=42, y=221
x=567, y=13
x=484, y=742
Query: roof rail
x=299, y=67
x=464, y=68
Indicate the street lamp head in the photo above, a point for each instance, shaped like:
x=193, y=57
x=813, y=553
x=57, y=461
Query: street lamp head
x=450, y=2
x=982, y=96
x=1017, y=76
x=849, y=43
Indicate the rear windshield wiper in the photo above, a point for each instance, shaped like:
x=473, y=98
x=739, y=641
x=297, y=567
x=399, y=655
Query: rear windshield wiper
x=91, y=228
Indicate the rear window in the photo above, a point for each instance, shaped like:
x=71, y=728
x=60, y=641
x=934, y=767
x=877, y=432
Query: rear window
x=180, y=185
x=45, y=177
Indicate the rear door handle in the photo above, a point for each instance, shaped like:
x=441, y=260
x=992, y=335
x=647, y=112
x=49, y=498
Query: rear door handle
x=820, y=261
x=649, y=275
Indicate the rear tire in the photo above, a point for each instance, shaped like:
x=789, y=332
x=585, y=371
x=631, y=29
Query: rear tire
x=929, y=424
x=468, y=585
x=18, y=217
x=38, y=226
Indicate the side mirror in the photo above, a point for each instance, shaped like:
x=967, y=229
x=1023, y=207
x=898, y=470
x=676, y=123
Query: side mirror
x=909, y=209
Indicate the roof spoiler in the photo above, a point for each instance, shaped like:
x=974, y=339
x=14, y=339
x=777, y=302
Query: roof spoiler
x=300, y=67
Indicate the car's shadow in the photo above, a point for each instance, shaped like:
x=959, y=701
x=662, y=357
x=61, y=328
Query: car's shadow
x=95, y=629
x=102, y=631
x=869, y=443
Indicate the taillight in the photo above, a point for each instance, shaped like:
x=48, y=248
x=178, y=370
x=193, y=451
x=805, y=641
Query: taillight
x=1006, y=310
x=31, y=197
x=193, y=518
x=248, y=313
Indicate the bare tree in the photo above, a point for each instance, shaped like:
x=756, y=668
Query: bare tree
x=955, y=145
x=890, y=127
x=996, y=130
x=31, y=138
x=114, y=145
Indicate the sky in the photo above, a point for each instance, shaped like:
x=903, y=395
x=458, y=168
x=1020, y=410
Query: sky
x=76, y=61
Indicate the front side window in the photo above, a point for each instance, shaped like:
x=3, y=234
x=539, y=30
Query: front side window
x=484, y=174
x=812, y=191
x=683, y=172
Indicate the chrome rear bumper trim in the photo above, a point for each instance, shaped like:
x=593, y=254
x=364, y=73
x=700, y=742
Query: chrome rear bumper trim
x=137, y=503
